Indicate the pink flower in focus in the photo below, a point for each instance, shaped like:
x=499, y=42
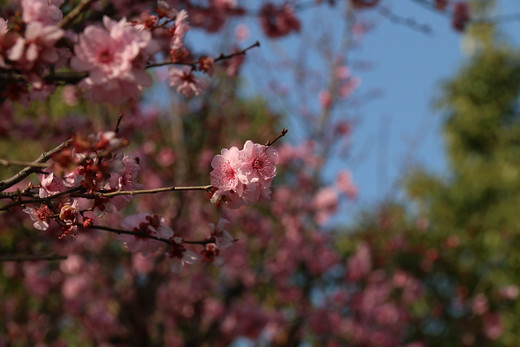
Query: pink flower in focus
x=144, y=223
x=258, y=164
x=185, y=81
x=243, y=176
x=51, y=184
x=40, y=217
x=46, y=12
x=69, y=212
x=225, y=175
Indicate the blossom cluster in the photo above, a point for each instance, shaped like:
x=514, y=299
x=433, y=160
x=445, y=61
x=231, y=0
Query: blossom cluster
x=110, y=61
x=244, y=176
x=90, y=166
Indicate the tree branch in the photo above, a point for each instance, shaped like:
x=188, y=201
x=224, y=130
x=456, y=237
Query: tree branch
x=35, y=257
x=30, y=169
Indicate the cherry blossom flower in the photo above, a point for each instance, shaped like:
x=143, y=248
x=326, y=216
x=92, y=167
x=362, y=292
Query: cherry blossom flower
x=40, y=217
x=180, y=255
x=360, y=263
x=326, y=203
x=144, y=223
x=186, y=83
x=69, y=212
x=179, y=30
x=278, y=21
x=243, y=176
x=51, y=184
x=46, y=12
x=115, y=58
x=225, y=175
x=345, y=185
x=35, y=49
x=222, y=238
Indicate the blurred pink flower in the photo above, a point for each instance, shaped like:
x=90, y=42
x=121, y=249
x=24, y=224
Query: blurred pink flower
x=360, y=263
x=46, y=12
x=115, y=58
x=144, y=223
x=186, y=83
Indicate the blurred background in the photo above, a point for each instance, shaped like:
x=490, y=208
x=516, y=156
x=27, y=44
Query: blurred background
x=393, y=219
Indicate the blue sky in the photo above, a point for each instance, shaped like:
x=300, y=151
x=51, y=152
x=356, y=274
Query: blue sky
x=399, y=129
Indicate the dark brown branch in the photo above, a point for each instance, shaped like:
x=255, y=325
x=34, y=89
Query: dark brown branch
x=38, y=200
x=76, y=11
x=96, y=195
x=282, y=134
x=221, y=57
x=5, y=162
x=127, y=232
x=409, y=22
x=30, y=169
x=35, y=257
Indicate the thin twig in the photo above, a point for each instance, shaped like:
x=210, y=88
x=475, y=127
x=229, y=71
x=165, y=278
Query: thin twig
x=30, y=169
x=42, y=200
x=119, y=119
x=139, y=234
x=409, y=22
x=76, y=11
x=96, y=195
x=221, y=57
x=5, y=162
x=21, y=258
x=282, y=133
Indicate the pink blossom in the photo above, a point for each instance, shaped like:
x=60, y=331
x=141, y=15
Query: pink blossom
x=51, y=184
x=360, y=263
x=35, y=48
x=179, y=30
x=223, y=239
x=47, y=12
x=242, y=32
x=258, y=164
x=225, y=175
x=144, y=223
x=69, y=212
x=123, y=177
x=40, y=217
x=187, y=84
x=345, y=185
x=493, y=326
x=278, y=21
x=180, y=255
x=325, y=99
x=325, y=202
x=479, y=304
x=115, y=58
x=243, y=176
x=509, y=292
